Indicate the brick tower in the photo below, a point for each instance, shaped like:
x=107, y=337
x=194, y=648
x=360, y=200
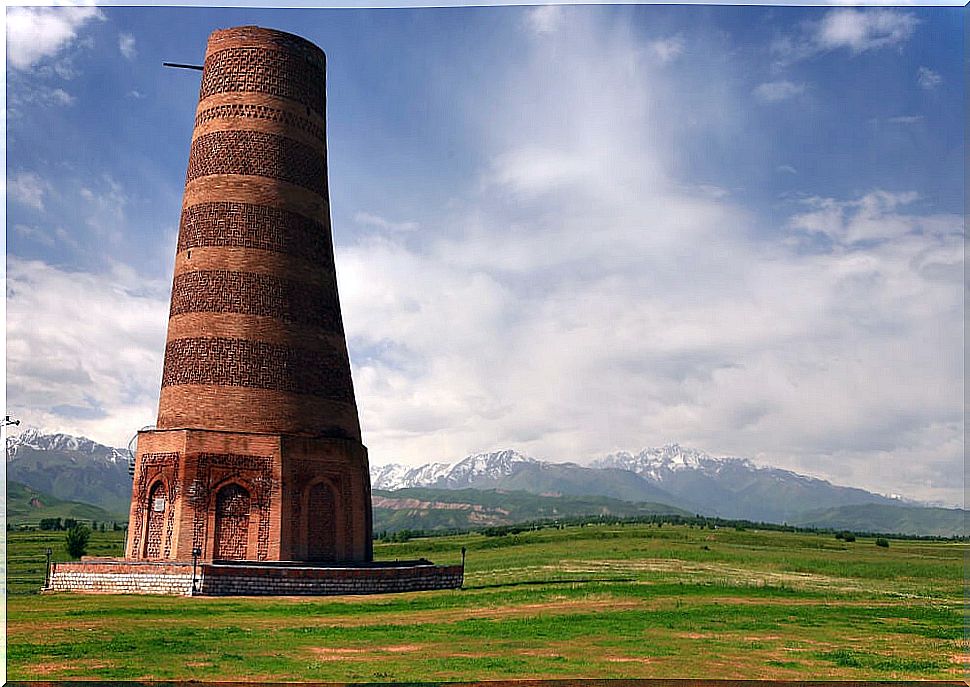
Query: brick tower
x=257, y=453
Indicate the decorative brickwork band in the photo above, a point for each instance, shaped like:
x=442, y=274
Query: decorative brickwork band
x=261, y=112
x=258, y=365
x=258, y=70
x=255, y=153
x=244, y=225
x=256, y=294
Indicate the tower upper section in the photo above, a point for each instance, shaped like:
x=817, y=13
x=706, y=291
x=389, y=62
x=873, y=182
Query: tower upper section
x=255, y=336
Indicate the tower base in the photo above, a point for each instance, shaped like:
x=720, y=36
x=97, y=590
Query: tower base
x=237, y=496
x=181, y=578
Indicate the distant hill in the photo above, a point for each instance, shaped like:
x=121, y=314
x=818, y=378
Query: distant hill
x=936, y=522
x=26, y=505
x=439, y=509
x=70, y=469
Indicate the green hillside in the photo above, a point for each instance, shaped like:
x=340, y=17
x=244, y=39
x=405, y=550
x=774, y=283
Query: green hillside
x=872, y=517
x=461, y=509
x=27, y=506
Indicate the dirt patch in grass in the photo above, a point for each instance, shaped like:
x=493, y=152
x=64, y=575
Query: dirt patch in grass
x=52, y=667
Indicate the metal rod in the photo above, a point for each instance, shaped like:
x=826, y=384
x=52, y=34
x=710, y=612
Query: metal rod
x=197, y=67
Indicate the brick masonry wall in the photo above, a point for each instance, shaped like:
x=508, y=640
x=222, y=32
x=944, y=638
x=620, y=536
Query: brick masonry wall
x=214, y=580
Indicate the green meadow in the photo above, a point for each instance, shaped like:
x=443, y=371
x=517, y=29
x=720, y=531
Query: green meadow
x=606, y=601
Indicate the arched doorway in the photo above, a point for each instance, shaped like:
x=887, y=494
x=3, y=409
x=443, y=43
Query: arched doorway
x=157, y=503
x=321, y=523
x=232, y=523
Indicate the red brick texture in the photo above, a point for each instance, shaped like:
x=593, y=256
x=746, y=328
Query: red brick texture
x=257, y=453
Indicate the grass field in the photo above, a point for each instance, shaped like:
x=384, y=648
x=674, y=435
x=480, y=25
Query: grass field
x=597, y=601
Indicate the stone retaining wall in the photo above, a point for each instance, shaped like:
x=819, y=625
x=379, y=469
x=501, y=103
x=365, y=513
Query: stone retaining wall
x=121, y=578
x=127, y=577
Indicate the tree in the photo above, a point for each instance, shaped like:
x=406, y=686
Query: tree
x=50, y=524
x=77, y=541
x=883, y=542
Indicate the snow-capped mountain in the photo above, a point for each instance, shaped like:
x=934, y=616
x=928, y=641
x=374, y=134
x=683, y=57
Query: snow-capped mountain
x=474, y=468
x=33, y=438
x=658, y=463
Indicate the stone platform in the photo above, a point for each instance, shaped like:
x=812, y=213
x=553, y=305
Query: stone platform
x=248, y=578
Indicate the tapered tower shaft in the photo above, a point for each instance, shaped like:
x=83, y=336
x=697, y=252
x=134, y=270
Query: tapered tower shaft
x=255, y=336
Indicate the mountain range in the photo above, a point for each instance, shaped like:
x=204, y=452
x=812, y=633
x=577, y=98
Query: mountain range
x=681, y=477
x=671, y=478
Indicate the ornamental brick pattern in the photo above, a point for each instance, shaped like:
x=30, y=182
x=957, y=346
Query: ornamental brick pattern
x=257, y=446
x=254, y=294
x=255, y=364
x=232, y=523
x=241, y=110
x=265, y=70
x=254, y=153
x=244, y=225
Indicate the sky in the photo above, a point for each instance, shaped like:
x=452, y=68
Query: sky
x=568, y=230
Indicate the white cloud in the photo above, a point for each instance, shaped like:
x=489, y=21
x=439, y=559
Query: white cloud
x=84, y=351
x=137, y=95
x=104, y=208
x=27, y=188
x=36, y=33
x=787, y=169
x=369, y=220
x=927, y=78
x=544, y=18
x=59, y=96
x=866, y=29
x=668, y=49
x=856, y=30
x=34, y=234
x=776, y=91
x=905, y=119
x=126, y=44
x=875, y=216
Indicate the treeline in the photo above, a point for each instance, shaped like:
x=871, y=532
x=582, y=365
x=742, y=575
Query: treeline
x=695, y=521
x=61, y=525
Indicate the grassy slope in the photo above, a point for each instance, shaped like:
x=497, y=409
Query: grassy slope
x=21, y=510
x=599, y=601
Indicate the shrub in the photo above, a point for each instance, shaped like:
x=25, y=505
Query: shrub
x=77, y=541
x=848, y=536
x=883, y=542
